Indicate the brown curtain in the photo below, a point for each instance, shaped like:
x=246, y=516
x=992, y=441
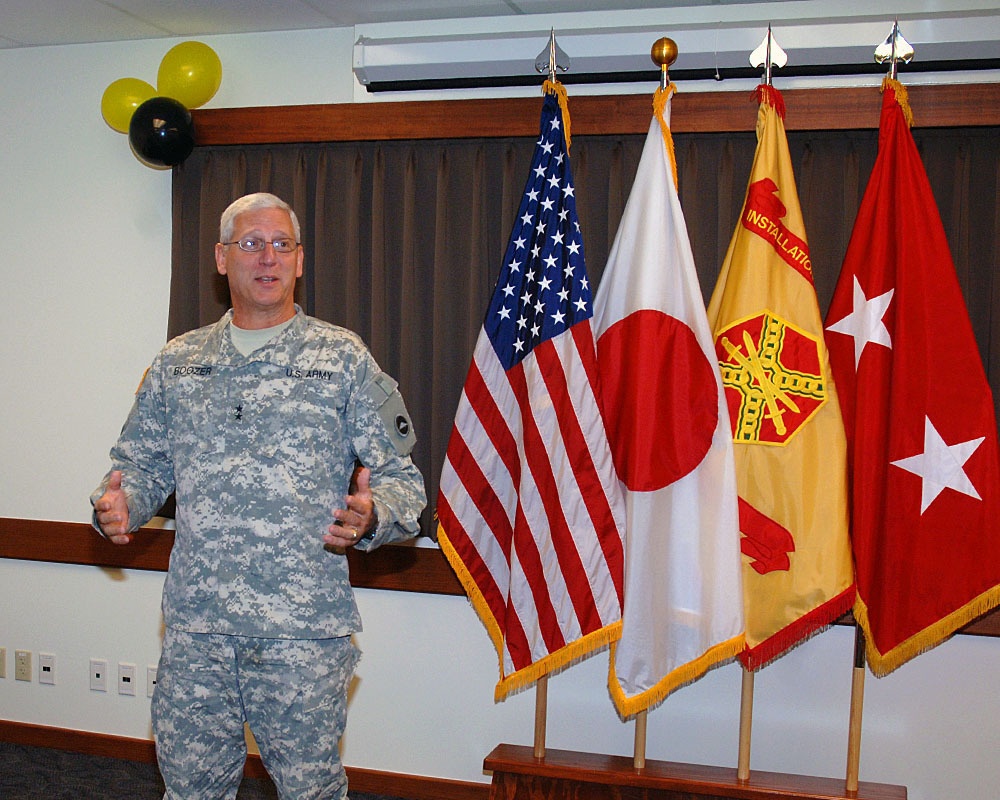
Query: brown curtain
x=403, y=239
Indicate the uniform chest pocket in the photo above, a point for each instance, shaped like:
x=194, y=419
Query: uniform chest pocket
x=197, y=410
x=292, y=418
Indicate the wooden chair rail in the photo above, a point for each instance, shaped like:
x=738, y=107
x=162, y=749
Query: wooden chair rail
x=402, y=568
x=399, y=567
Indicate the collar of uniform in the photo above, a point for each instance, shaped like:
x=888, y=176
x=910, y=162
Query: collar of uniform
x=281, y=351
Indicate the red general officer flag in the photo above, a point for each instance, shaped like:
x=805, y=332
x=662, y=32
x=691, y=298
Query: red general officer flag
x=531, y=515
x=791, y=460
x=918, y=413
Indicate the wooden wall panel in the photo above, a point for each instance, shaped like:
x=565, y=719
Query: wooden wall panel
x=691, y=112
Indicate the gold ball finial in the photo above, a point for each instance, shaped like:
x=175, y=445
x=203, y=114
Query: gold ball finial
x=664, y=52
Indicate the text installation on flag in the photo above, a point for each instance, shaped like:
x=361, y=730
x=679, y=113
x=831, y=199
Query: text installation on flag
x=789, y=438
x=669, y=432
x=918, y=412
x=531, y=516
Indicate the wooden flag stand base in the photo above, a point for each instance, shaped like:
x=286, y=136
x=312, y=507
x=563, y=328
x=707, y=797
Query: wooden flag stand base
x=564, y=775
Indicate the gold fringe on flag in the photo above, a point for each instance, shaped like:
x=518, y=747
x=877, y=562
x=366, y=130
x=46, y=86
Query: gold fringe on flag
x=881, y=664
x=902, y=97
x=659, y=108
x=556, y=88
x=682, y=676
x=472, y=591
x=564, y=657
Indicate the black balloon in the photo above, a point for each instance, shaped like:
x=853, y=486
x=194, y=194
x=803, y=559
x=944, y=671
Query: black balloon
x=161, y=132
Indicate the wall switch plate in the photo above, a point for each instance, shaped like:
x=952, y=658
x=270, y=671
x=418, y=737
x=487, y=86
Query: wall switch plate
x=150, y=680
x=98, y=675
x=47, y=668
x=126, y=678
x=3, y=662
x=22, y=665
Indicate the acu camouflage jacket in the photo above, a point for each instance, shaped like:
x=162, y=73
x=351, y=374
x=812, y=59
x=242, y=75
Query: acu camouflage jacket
x=259, y=450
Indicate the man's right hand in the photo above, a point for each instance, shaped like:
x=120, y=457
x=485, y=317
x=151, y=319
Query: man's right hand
x=112, y=511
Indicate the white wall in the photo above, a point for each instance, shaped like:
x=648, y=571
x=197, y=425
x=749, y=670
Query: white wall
x=85, y=238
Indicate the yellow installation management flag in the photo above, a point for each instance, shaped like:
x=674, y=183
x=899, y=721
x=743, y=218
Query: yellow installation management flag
x=670, y=439
x=788, y=435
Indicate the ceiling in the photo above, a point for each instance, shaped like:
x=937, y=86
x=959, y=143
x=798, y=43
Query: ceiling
x=959, y=34
x=33, y=23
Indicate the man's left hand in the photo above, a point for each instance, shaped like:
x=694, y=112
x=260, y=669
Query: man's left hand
x=358, y=516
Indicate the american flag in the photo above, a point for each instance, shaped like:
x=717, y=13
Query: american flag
x=531, y=514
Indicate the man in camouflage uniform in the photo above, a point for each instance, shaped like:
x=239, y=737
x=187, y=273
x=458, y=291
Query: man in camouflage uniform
x=258, y=423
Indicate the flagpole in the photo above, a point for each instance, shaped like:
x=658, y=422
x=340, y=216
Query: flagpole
x=663, y=53
x=857, y=704
x=746, y=724
x=639, y=748
x=746, y=688
x=858, y=675
x=892, y=50
x=541, y=711
x=551, y=59
x=767, y=55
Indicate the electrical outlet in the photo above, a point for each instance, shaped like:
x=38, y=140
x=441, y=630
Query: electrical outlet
x=98, y=675
x=22, y=665
x=3, y=662
x=150, y=680
x=47, y=668
x=126, y=678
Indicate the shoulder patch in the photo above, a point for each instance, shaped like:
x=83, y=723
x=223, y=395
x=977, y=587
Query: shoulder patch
x=382, y=395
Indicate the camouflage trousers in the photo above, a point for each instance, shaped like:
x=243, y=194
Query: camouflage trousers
x=291, y=692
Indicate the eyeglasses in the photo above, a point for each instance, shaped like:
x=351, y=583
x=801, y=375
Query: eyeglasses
x=253, y=244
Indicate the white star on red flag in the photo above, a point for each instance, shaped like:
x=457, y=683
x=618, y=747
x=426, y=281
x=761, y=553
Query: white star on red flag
x=940, y=466
x=864, y=323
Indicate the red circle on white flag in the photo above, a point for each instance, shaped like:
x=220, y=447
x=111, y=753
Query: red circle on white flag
x=659, y=397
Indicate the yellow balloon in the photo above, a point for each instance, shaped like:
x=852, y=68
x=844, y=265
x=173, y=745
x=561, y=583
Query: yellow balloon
x=121, y=99
x=190, y=73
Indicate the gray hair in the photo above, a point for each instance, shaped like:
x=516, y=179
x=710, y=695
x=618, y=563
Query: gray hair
x=254, y=202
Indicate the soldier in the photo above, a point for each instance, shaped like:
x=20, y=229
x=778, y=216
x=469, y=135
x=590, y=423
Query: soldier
x=257, y=424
